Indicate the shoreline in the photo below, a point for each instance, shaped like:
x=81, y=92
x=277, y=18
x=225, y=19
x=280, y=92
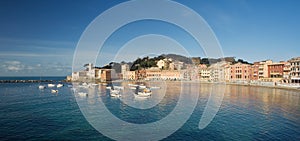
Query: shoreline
x=235, y=84
x=200, y=82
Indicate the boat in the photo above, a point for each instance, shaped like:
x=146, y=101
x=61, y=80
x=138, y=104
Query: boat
x=108, y=87
x=154, y=87
x=82, y=94
x=59, y=85
x=54, y=91
x=134, y=85
x=41, y=87
x=51, y=85
x=142, y=86
x=132, y=88
x=144, y=93
x=119, y=87
x=115, y=93
x=70, y=86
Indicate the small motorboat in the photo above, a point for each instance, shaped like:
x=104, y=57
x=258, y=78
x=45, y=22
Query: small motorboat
x=115, y=93
x=70, y=86
x=59, y=85
x=41, y=87
x=108, y=87
x=51, y=85
x=54, y=91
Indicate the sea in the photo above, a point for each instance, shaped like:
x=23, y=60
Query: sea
x=245, y=112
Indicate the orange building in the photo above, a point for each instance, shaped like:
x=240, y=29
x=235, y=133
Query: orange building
x=254, y=71
x=240, y=72
x=275, y=70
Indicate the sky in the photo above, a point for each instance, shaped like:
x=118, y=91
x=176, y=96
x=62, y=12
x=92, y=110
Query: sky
x=39, y=38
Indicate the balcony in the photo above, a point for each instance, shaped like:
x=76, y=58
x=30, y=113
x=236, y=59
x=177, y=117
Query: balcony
x=295, y=77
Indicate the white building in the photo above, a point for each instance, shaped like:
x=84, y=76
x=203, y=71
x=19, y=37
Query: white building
x=295, y=70
x=161, y=64
x=218, y=71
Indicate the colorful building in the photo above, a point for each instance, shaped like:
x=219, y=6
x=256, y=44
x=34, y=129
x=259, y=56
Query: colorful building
x=240, y=72
x=295, y=70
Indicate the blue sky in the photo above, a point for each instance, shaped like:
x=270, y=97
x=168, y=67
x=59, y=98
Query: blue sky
x=39, y=37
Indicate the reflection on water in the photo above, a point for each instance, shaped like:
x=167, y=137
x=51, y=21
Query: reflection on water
x=246, y=113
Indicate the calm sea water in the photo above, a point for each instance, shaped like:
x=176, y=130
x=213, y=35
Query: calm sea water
x=55, y=78
x=247, y=113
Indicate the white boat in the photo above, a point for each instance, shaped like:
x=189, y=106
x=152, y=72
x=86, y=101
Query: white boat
x=82, y=94
x=140, y=97
x=84, y=84
x=154, y=87
x=70, y=86
x=41, y=87
x=108, y=87
x=54, y=91
x=59, y=85
x=94, y=84
x=134, y=85
x=51, y=85
x=142, y=86
x=115, y=93
x=132, y=88
x=119, y=87
x=144, y=93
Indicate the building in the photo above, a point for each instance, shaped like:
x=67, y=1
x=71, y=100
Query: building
x=105, y=75
x=124, y=68
x=171, y=75
x=176, y=65
x=161, y=64
x=217, y=71
x=263, y=69
x=227, y=70
x=153, y=74
x=275, y=70
x=196, y=60
x=92, y=73
x=129, y=75
x=295, y=70
x=124, y=71
x=255, y=71
x=205, y=75
x=240, y=72
x=286, y=72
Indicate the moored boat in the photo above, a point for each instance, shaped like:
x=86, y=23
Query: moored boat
x=115, y=93
x=144, y=93
x=82, y=94
x=59, y=85
x=51, y=85
x=42, y=87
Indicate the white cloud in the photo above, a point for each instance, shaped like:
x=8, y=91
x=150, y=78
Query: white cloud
x=13, y=66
